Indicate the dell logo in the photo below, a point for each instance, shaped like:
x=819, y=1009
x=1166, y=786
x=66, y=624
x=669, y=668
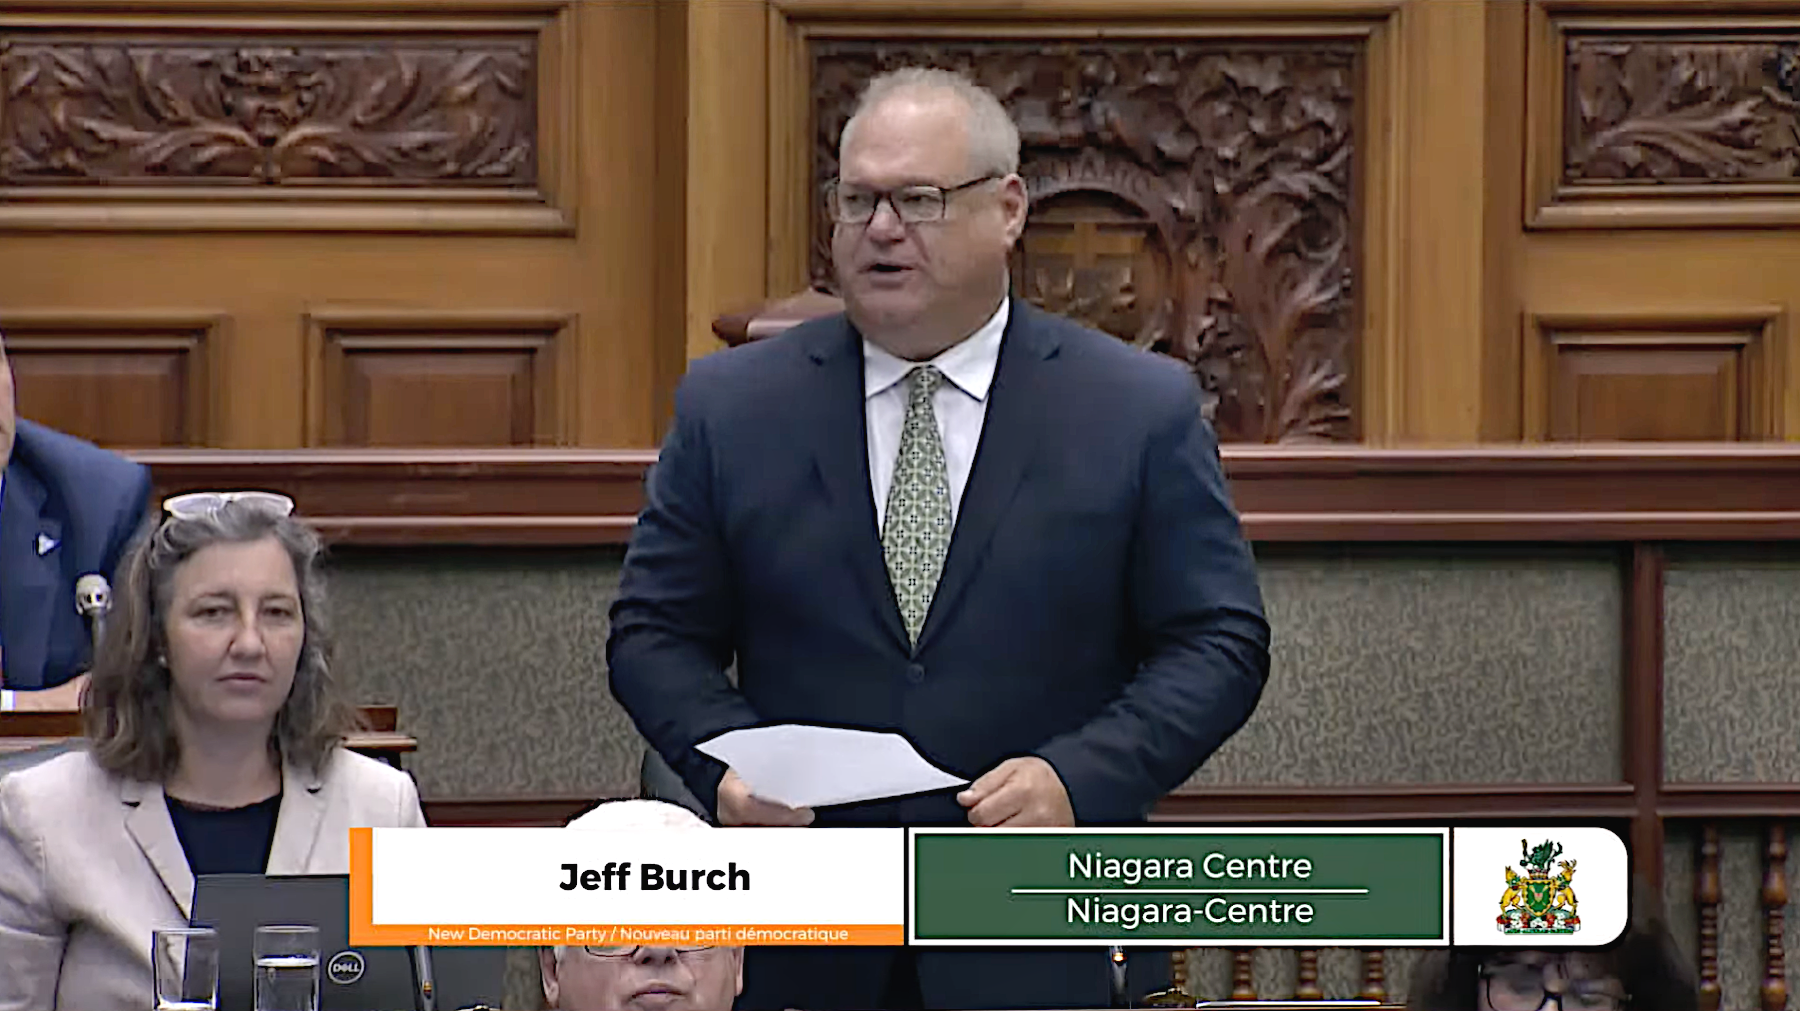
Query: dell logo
x=345, y=967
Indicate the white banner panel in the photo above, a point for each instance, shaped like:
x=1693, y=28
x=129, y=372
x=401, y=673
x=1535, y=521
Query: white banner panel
x=1539, y=887
x=559, y=886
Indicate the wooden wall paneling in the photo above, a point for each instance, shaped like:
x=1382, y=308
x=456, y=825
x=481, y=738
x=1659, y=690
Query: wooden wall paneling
x=439, y=378
x=628, y=366
x=1683, y=376
x=1610, y=144
x=1304, y=321
x=727, y=189
x=670, y=311
x=793, y=196
x=285, y=116
x=1502, y=234
x=121, y=379
x=1443, y=265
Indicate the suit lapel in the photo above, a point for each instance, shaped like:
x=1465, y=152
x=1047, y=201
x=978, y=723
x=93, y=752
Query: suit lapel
x=26, y=602
x=149, y=825
x=1009, y=434
x=297, y=825
x=839, y=430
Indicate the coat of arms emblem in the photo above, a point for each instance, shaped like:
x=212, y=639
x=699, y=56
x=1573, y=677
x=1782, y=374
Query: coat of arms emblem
x=1539, y=902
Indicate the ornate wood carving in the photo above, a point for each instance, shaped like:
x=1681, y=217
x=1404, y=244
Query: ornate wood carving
x=1660, y=110
x=1194, y=198
x=1774, y=900
x=1706, y=906
x=452, y=111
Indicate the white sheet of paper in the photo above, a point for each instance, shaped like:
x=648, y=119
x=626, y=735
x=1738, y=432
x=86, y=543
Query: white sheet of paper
x=802, y=766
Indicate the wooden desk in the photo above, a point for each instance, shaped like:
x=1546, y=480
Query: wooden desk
x=382, y=740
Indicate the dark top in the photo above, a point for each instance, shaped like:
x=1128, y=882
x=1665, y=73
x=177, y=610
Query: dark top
x=234, y=840
x=67, y=508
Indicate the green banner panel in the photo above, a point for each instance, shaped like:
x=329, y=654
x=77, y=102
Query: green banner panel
x=1179, y=887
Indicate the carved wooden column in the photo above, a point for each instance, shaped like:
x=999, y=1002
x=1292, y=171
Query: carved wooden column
x=1243, y=985
x=1706, y=908
x=1306, y=987
x=1374, y=975
x=1774, y=900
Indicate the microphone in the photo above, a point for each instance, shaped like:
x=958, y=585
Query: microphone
x=1115, y=966
x=93, y=599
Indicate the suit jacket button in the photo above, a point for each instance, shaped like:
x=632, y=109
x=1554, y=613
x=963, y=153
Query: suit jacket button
x=915, y=672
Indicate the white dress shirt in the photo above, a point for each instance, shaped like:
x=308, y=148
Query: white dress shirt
x=960, y=406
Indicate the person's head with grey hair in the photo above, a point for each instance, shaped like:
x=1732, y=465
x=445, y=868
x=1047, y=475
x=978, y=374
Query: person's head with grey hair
x=673, y=978
x=926, y=208
x=218, y=629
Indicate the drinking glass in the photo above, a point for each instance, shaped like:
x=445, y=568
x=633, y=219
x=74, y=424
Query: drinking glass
x=186, y=963
x=287, y=968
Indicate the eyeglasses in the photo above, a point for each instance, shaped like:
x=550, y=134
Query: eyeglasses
x=1520, y=986
x=631, y=950
x=205, y=503
x=914, y=205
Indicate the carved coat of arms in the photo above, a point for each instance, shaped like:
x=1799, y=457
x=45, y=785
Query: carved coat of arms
x=1538, y=901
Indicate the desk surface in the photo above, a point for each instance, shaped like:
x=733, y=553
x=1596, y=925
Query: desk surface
x=24, y=731
x=376, y=743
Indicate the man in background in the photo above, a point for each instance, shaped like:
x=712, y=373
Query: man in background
x=951, y=515
x=640, y=977
x=67, y=509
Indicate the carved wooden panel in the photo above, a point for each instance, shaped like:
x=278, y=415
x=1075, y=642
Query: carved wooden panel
x=249, y=112
x=442, y=379
x=1197, y=198
x=1665, y=380
x=308, y=123
x=1688, y=126
x=118, y=380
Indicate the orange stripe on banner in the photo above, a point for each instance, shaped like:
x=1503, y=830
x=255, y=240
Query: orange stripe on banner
x=362, y=932
x=362, y=877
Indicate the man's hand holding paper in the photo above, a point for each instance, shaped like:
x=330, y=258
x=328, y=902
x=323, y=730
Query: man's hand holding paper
x=777, y=774
x=738, y=806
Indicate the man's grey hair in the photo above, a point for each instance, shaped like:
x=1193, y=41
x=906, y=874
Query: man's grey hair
x=625, y=815
x=993, y=137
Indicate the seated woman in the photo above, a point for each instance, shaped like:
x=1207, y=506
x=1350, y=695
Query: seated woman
x=1642, y=970
x=214, y=733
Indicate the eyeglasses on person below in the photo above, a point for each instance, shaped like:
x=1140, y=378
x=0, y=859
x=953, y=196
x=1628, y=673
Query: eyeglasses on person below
x=1521, y=986
x=193, y=505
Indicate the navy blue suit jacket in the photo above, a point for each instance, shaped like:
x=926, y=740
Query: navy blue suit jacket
x=67, y=508
x=1099, y=605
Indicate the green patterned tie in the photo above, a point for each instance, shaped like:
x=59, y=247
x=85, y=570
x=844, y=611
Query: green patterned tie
x=915, y=535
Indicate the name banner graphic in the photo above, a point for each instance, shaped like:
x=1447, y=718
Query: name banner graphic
x=726, y=886
x=1162, y=887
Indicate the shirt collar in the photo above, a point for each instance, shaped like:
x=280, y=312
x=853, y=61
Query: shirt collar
x=969, y=364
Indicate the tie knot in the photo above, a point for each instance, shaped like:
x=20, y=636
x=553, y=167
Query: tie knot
x=924, y=381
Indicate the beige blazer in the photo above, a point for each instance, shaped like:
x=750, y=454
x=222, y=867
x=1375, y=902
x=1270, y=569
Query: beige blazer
x=90, y=865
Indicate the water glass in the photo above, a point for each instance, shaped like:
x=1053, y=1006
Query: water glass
x=186, y=964
x=287, y=968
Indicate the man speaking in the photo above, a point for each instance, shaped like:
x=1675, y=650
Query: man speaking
x=948, y=514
